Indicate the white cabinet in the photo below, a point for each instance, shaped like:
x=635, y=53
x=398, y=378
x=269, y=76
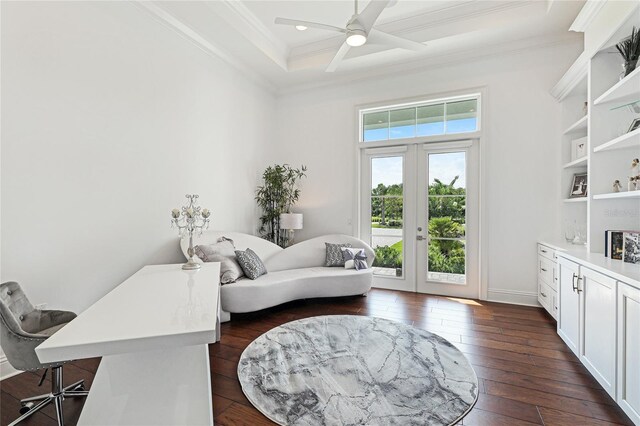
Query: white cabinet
x=547, y=279
x=629, y=351
x=569, y=299
x=598, y=326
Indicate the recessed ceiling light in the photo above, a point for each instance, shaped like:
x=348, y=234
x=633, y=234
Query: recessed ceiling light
x=301, y=27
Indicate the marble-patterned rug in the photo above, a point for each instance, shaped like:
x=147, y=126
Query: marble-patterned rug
x=356, y=370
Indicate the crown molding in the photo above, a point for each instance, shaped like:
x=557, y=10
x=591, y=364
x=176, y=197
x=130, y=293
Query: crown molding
x=588, y=12
x=250, y=27
x=516, y=47
x=574, y=75
x=168, y=20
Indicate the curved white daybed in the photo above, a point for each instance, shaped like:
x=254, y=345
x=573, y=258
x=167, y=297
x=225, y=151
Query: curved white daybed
x=297, y=272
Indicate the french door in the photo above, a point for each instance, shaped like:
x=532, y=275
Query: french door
x=419, y=211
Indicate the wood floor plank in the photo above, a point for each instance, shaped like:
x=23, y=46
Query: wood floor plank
x=533, y=370
x=241, y=415
x=545, y=385
x=478, y=417
x=544, y=399
x=553, y=417
x=509, y=408
x=523, y=349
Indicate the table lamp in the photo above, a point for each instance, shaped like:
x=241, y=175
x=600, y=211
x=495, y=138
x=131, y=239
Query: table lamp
x=290, y=222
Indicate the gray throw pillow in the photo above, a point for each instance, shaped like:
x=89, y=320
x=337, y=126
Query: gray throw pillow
x=334, y=254
x=354, y=258
x=224, y=252
x=250, y=263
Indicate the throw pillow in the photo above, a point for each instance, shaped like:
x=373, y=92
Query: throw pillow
x=250, y=263
x=223, y=252
x=354, y=258
x=334, y=255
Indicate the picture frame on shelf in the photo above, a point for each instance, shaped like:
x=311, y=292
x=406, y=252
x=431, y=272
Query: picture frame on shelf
x=579, y=186
x=635, y=124
x=578, y=148
x=631, y=247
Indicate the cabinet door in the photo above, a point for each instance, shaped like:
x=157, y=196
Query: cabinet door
x=598, y=331
x=629, y=351
x=569, y=315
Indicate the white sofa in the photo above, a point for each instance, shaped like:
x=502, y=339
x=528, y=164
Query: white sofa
x=297, y=272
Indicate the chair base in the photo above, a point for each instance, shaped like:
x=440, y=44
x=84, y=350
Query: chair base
x=58, y=393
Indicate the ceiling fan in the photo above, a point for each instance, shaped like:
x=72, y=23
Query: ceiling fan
x=359, y=30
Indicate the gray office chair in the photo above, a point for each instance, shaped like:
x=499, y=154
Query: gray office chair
x=22, y=328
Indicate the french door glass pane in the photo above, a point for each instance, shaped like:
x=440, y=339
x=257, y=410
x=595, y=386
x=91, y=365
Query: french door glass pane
x=387, y=215
x=462, y=116
x=447, y=217
x=430, y=120
x=403, y=123
x=375, y=126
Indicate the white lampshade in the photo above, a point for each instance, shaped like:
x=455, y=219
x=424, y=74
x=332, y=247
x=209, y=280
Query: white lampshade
x=291, y=221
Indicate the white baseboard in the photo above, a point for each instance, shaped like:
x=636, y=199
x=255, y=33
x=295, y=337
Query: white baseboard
x=513, y=297
x=6, y=370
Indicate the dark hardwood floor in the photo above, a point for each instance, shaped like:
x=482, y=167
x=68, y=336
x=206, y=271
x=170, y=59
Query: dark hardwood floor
x=527, y=375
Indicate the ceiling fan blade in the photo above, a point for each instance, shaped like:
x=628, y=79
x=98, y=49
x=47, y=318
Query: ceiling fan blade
x=380, y=37
x=371, y=13
x=337, y=59
x=295, y=22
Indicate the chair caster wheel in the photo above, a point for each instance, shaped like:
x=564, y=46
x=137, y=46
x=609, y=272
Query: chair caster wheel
x=26, y=407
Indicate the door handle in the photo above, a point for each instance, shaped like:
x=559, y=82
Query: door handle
x=578, y=285
x=573, y=282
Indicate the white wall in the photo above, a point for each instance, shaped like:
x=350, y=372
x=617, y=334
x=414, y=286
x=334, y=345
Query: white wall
x=521, y=134
x=109, y=119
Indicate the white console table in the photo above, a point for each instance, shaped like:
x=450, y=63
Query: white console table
x=152, y=333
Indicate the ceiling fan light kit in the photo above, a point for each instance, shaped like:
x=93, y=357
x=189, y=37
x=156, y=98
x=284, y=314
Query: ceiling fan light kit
x=358, y=31
x=356, y=38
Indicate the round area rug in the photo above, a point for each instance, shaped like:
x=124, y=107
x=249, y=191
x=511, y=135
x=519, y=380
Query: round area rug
x=355, y=370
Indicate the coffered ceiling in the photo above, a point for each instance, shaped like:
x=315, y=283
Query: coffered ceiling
x=244, y=34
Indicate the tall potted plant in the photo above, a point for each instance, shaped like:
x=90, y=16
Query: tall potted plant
x=278, y=193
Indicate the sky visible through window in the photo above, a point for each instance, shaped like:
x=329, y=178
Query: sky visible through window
x=448, y=117
x=445, y=166
x=428, y=129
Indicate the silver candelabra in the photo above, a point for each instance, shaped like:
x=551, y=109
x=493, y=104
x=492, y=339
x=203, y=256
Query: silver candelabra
x=189, y=220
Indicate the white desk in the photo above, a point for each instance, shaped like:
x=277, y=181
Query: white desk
x=152, y=332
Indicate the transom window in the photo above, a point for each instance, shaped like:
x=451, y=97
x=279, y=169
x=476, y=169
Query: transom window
x=428, y=118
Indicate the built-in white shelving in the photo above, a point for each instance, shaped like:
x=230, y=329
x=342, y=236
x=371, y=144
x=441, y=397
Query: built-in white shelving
x=613, y=195
x=626, y=90
x=576, y=200
x=628, y=140
x=577, y=126
x=580, y=162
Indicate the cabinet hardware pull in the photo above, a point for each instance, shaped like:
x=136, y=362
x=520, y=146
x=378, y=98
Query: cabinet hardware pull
x=544, y=251
x=578, y=285
x=543, y=295
x=543, y=270
x=573, y=282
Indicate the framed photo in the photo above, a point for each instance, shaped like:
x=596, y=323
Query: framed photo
x=579, y=186
x=631, y=247
x=635, y=124
x=578, y=148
